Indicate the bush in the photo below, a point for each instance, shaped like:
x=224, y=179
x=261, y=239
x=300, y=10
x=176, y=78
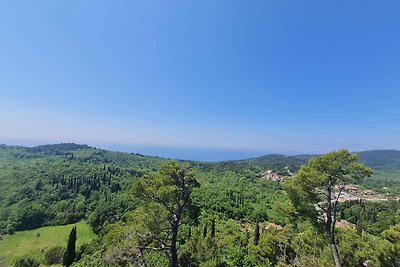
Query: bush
x=10, y=229
x=54, y=255
x=26, y=262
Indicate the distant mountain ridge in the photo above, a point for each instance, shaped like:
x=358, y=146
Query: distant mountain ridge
x=54, y=148
x=376, y=159
x=381, y=159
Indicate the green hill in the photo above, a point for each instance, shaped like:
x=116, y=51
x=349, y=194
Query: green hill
x=376, y=159
x=64, y=183
x=381, y=159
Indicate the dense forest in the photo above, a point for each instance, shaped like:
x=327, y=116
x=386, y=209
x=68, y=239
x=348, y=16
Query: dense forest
x=149, y=211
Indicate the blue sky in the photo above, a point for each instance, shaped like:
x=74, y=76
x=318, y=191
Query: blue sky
x=245, y=76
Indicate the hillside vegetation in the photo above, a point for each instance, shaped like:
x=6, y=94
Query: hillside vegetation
x=234, y=216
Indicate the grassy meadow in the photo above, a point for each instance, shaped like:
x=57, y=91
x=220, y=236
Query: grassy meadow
x=30, y=243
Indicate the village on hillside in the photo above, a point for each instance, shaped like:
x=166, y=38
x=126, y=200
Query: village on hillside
x=347, y=192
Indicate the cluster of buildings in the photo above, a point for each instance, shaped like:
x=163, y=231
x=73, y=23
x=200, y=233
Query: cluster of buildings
x=347, y=192
x=272, y=176
x=352, y=192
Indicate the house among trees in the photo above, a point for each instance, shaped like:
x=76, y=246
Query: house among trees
x=368, y=192
x=347, y=188
x=272, y=176
x=351, y=188
x=273, y=225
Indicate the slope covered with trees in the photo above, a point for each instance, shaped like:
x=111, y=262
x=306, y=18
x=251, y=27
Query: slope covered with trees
x=61, y=184
x=148, y=211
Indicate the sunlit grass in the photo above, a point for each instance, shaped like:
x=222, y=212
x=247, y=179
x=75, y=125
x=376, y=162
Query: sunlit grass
x=30, y=243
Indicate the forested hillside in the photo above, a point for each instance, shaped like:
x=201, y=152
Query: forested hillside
x=381, y=159
x=61, y=184
x=224, y=213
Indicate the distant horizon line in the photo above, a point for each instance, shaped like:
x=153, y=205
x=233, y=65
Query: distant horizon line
x=203, y=154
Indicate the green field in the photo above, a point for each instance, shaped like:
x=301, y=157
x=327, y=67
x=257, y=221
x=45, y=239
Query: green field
x=27, y=243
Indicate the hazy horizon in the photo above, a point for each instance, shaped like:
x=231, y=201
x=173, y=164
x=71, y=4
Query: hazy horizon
x=182, y=153
x=206, y=154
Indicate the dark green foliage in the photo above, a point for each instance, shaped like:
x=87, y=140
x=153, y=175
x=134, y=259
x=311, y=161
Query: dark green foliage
x=26, y=262
x=189, y=232
x=373, y=217
x=205, y=231
x=110, y=210
x=54, y=255
x=256, y=234
x=70, y=252
x=212, y=227
x=32, y=216
x=57, y=149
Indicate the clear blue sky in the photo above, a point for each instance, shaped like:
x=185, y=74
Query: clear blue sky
x=265, y=76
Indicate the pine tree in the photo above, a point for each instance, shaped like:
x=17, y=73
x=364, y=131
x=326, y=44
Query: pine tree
x=70, y=253
x=171, y=188
x=325, y=173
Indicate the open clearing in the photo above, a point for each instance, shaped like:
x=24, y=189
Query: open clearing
x=30, y=243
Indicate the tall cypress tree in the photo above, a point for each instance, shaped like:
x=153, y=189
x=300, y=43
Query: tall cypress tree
x=257, y=234
x=212, y=227
x=70, y=253
x=205, y=231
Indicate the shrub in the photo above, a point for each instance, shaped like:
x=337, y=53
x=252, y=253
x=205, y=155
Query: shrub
x=10, y=229
x=54, y=255
x=26, y=262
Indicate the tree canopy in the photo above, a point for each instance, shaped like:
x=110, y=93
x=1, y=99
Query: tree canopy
x=317, y=181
